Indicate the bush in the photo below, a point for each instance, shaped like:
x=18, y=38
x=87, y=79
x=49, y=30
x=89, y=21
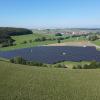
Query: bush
x=24, y=42
x=60, y=66
x=6, y=44
x=33, y=63
x=93, y=37
x=59, y=41
x=86, y=66
x=40, y=39
x=12, y=60
x=44, y=65
x=75, y=36
x=30, y=41
x=27, y=62
x=98, y=64
x=43, y=39
x=58, y=34
x=67, y=37
x=74, y=67
x=53, y=39
x=37, y=40
x=60, y=38
x=92, y=65
x=18, y=60
x=77, y=67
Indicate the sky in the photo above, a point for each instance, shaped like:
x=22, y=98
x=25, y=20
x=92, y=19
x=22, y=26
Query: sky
x=50, y=13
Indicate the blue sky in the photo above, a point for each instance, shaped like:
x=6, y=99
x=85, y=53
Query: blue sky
x=50, y=13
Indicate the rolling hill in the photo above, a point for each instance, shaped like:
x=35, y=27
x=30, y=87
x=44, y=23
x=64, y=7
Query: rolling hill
x=14, y=31
x=7, y=32
x=18, y=82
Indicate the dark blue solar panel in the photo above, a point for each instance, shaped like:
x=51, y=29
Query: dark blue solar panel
x=53, y=54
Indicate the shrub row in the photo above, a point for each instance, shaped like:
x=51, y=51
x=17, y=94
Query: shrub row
x=92, y=65
x=20, y=60
x=60, y=66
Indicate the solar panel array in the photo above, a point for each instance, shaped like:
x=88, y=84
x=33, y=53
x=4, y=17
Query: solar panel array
x=54, y=54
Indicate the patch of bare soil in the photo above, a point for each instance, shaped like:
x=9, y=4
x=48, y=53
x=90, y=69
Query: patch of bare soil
x=82, y=43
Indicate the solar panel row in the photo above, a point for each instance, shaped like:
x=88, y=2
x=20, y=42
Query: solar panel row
x=53, y=54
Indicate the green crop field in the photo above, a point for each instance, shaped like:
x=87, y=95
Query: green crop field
x=19, y=82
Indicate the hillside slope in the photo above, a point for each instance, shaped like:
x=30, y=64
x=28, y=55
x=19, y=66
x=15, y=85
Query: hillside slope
x=7, y=32
x=14, y=31
x=19, y=82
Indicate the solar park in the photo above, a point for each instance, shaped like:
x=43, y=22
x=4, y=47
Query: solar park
x=54, y=54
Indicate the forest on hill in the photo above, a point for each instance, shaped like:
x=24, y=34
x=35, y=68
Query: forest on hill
x=14, y=31
x=7, y=32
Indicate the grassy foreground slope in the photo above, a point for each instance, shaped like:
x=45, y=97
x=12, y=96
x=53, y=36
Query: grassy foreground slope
x=19, y=82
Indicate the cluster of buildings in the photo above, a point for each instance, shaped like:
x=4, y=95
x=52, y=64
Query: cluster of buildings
x=75, y=33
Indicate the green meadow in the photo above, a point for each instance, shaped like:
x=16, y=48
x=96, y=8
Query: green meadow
x=97, y=42
x=20, y=39
x=49, y=49
x=19, y=82
x=23, y=82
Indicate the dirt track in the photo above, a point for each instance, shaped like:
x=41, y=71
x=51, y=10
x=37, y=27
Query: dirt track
x=82, y=43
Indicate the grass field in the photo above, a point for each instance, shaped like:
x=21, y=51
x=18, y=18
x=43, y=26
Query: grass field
x=19, y=82
x=20, y=39
x=97, y=42
x=19, y=46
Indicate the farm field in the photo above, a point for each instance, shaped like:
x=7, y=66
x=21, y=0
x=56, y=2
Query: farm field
x=36, y=83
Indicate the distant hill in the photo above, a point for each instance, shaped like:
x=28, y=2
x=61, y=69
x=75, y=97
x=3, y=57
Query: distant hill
x=6, y=32
x=5, y=39
x=63, y=30
x=14, y=31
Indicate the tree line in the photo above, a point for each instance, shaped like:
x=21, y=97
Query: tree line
x=92, y=65
x=22, y=61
